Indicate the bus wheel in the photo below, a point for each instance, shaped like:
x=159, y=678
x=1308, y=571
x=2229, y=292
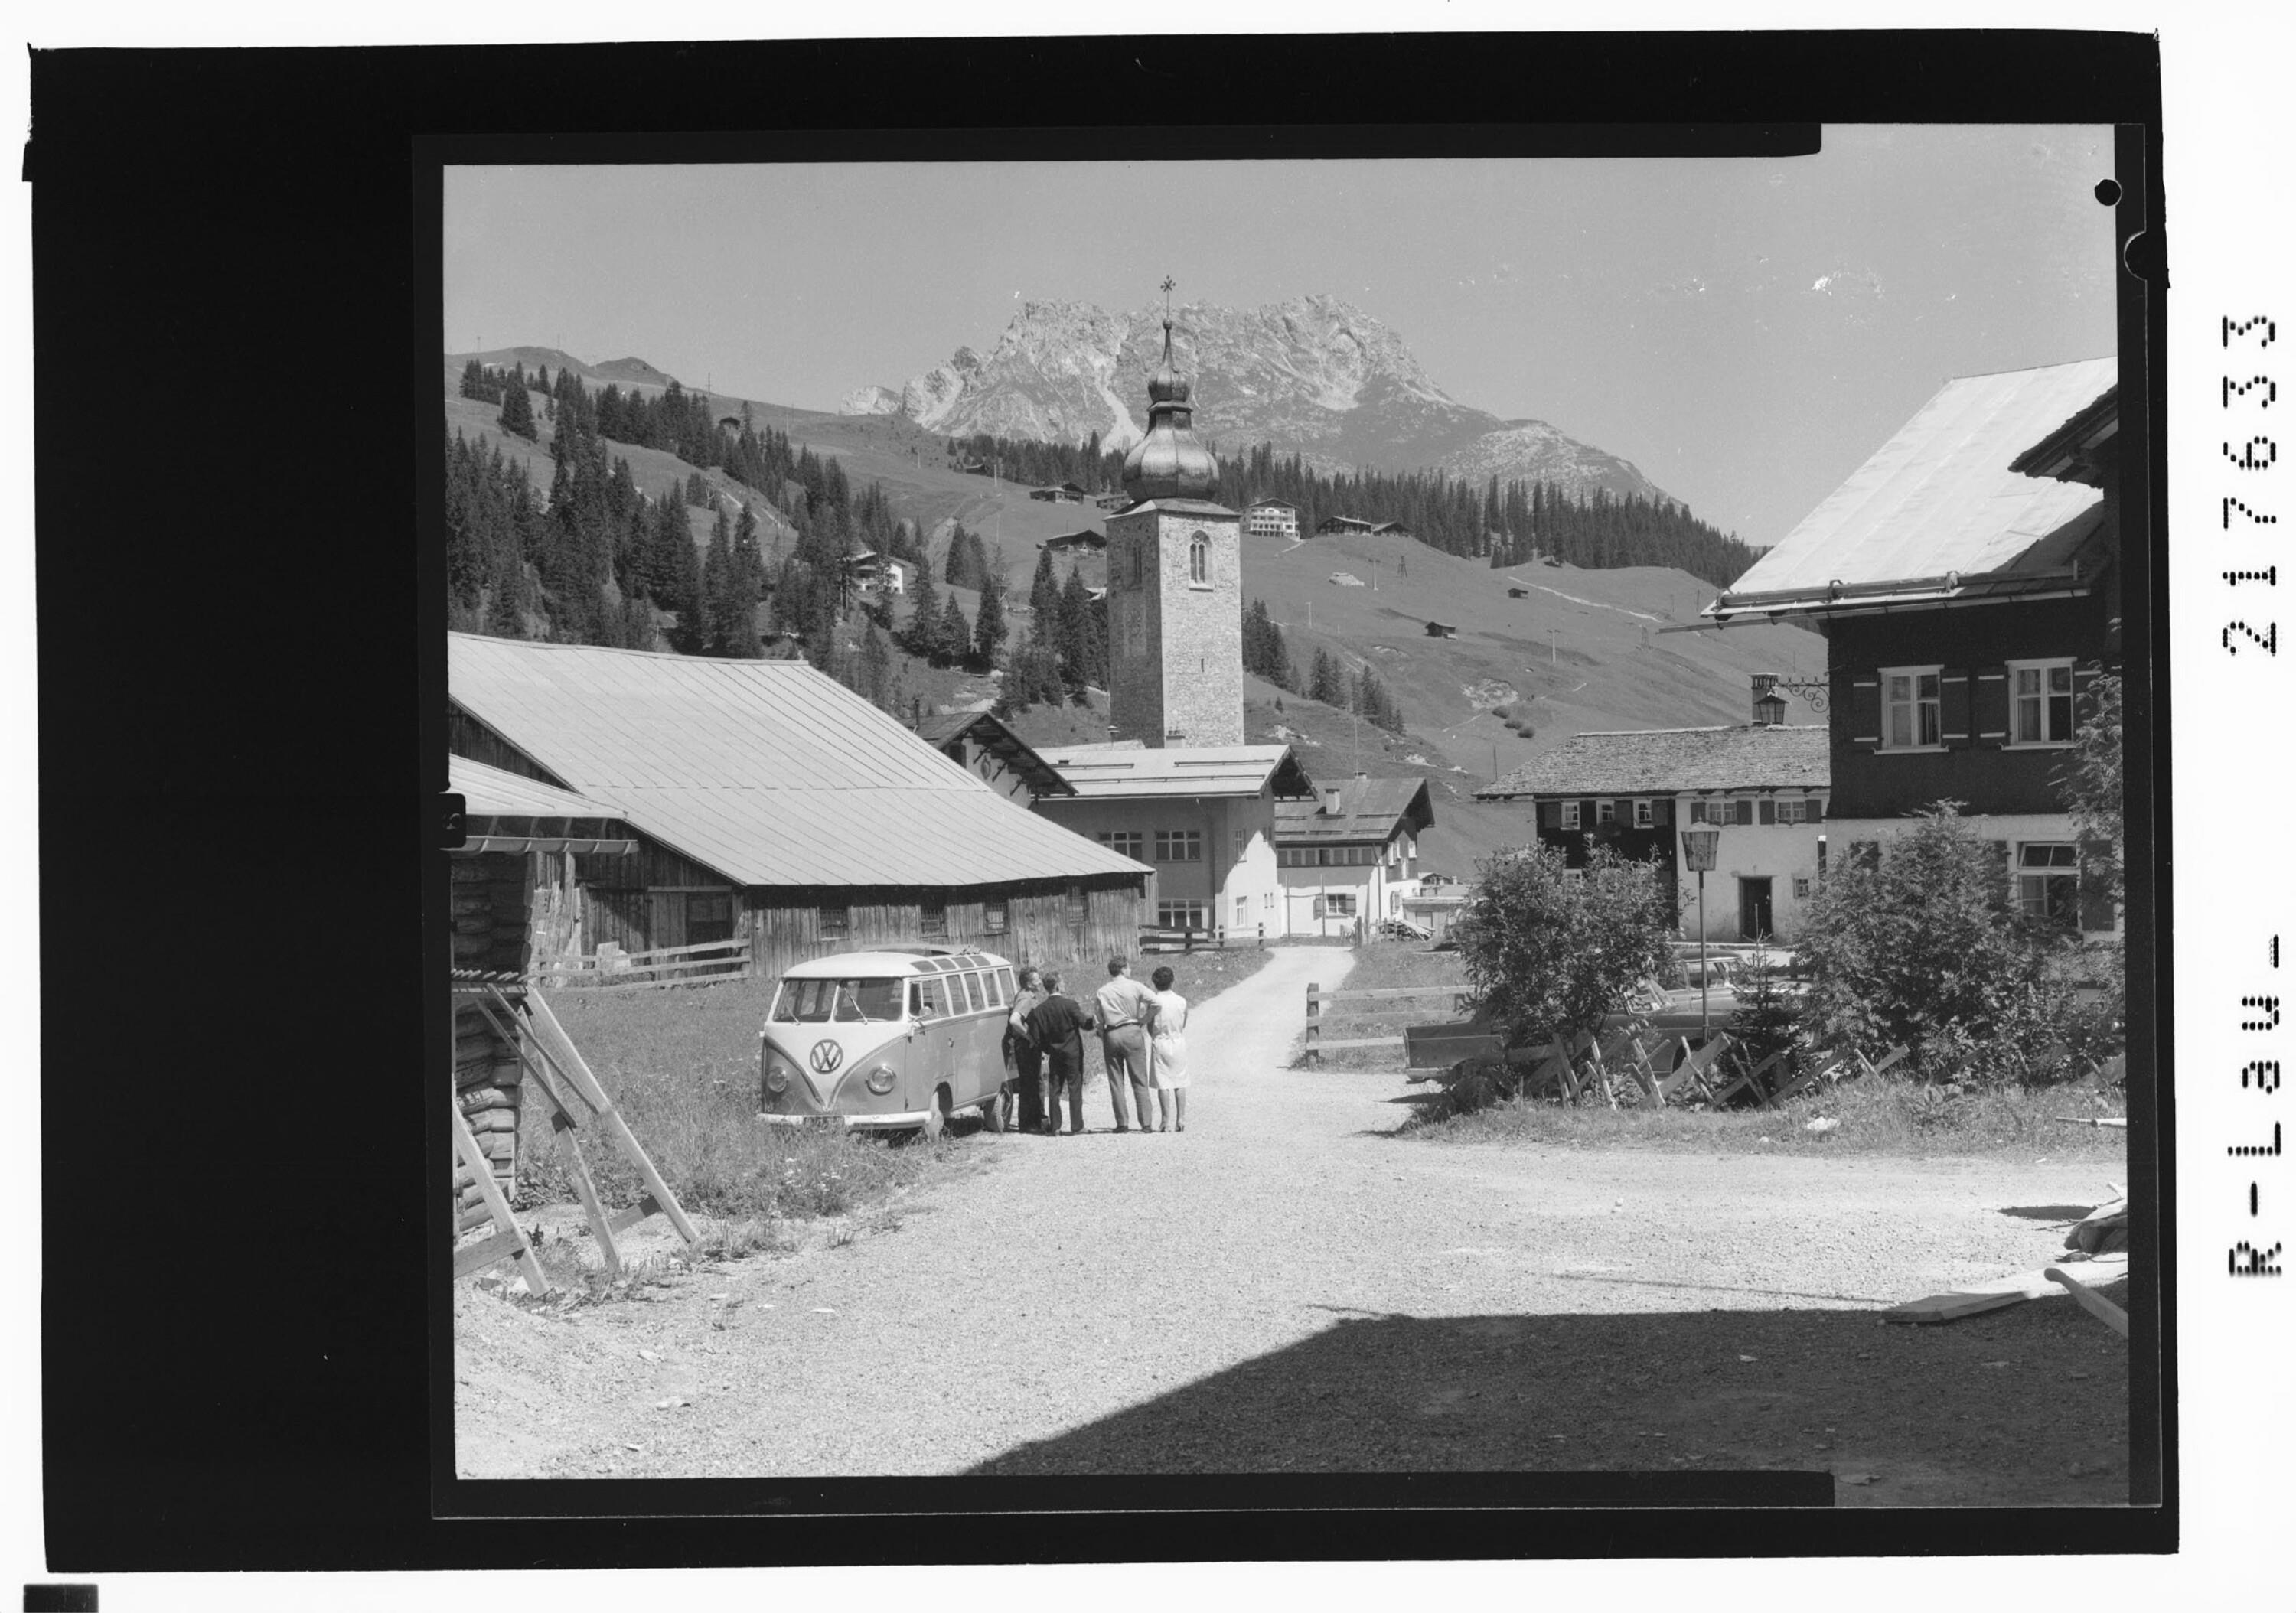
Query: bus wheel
x=936, y=1115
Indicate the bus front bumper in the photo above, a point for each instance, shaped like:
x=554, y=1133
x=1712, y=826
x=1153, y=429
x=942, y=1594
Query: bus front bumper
x=907, y=1120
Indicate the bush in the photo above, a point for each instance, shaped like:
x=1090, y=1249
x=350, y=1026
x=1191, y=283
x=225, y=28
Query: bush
x=1550, y=950
x=1921, y=945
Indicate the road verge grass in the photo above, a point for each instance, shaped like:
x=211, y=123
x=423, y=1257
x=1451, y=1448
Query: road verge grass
x=1869, y=1118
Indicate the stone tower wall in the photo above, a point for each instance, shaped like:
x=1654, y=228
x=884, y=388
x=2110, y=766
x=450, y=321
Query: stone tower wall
x=1202, y=638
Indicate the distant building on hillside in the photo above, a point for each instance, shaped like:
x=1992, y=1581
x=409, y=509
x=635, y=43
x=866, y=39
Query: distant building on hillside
x=1333, y=525
x=1048, y=495
x=1441, y=630
x=1392, y=529
x=1518, y=591
x=1069, y=543
x=871, y=571
x=1271, y=518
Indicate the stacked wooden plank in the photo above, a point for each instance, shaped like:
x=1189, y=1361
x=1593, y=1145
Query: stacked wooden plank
x=488, y=1081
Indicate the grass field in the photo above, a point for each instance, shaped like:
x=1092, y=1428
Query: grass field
x=1389, y=964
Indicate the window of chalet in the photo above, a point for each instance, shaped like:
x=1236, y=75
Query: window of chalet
x=1911, y=710
x=1643, y=818
x=1702, y=811
x=835, y=923
x=1795, y=812
x=1124, y=842
x=2041, y=702
x=932, y=921
x=1571, y=814
x=2048, y=884
x=1336, y=904
x=994, y=917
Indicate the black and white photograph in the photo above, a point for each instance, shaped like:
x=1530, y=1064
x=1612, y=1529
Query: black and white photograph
x=1163, y=816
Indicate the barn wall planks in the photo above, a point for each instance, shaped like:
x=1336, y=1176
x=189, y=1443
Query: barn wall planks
x=466, y=736
x=786, y=925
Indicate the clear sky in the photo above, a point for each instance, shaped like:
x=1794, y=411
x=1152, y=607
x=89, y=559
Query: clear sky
x=1746, y=330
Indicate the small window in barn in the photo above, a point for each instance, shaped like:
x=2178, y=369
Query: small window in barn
x=932, y=921
x=995, y=916
x=709, y=917
x=836, y=923
x=1076, y=903
x=1642, y=815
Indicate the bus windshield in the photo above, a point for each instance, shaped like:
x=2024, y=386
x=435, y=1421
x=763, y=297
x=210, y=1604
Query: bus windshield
x=846, y=1002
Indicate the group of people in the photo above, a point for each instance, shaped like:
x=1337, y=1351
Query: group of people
x=1143, y=1048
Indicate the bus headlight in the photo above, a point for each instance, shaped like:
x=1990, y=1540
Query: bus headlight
x=881, y=1080
x=777, y=1072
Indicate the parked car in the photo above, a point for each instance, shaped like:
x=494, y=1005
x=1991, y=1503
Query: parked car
x=887, y=1040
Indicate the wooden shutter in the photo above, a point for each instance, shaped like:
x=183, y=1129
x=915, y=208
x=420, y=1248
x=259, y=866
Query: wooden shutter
x=1817, y=810
x=1769, y=810
x=1954, y=704
x=2095, y=899
x=1622, y=812
x=1742, y=812
x=1662, y=811
x=1550, y=814
x=1988, y=705
x=1865, y=711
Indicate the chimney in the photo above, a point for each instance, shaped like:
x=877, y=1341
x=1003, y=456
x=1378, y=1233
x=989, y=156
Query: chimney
x=1330, y=800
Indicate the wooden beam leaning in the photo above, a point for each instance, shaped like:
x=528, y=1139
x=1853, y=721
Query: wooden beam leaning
x=554, y=1040
x=510, y=1239
x=2096, y=1304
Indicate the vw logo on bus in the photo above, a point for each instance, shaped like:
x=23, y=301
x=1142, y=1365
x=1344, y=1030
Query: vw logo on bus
x=826, y=1057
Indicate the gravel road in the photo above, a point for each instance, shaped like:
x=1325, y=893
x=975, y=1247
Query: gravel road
x=1285, y=1286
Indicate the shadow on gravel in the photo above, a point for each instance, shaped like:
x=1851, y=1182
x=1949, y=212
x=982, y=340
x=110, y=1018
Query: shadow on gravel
x=2047, y=1212
x=1979, y=1412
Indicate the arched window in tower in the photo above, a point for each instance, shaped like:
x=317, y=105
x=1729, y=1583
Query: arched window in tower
x=1200, y=558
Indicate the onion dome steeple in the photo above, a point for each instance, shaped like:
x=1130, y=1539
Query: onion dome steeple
x=1169, y=462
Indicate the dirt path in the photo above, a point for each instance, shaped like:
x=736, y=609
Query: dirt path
x=1286, y=1287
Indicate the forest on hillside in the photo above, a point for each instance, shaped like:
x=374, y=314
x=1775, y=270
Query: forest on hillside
x=1509, y=523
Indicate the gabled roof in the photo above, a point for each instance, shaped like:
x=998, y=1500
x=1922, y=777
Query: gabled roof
x=766, y=770
x=1370, y=810
x=1086, y=539
x=1660, y=761
x=1937, y=511
x=1118, y=771
x=508, y=812
x=986, y=731
x=2078, y=450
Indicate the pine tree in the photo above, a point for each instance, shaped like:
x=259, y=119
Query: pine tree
x=1044, y=594
x=988, y=630
x=955, y=632
x=922, y=638
x=517, y=412
x=1327, y=682
x=872, y=678
x=1073, y=613
x=718, y=602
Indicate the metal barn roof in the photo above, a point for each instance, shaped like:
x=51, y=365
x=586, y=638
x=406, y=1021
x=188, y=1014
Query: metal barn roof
x=1938, y=506
x=491, y=792
x=766, y=770
x=1122, y=770
x=1660, y=761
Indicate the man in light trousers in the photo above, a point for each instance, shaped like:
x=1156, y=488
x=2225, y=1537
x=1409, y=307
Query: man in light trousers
x=1125, y=1006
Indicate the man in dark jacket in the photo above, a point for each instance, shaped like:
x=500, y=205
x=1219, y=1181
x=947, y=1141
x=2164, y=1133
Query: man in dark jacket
x=1057, y=1026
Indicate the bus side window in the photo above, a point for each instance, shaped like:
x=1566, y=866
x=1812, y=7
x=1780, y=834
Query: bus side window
x=1004, y=979
x=994, y=987
x=924, y=1000
x=961, y=999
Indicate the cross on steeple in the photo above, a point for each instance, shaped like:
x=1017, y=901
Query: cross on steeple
x=1168, y=283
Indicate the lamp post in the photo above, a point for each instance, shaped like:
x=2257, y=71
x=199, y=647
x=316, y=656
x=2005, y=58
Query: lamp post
x=1698, y=856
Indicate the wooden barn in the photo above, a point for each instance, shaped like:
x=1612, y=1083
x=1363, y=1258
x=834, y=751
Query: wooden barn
x=510, y=887
x=771, y=805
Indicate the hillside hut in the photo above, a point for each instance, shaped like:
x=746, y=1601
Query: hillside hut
x=772, y=806
x=1441, y=630
x=509, y=902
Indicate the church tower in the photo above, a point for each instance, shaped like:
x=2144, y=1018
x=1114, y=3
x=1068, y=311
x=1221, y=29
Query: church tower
x=1175, y=585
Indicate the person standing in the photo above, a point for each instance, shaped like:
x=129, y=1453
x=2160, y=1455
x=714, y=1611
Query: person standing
x=1027, y=1060
x=1167, y=1054
x=1057, y=1026
x=1126, y=1006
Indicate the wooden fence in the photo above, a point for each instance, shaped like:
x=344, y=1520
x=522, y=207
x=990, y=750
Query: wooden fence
x=700, y=963
x=1631, y=1059
x=1154, y=939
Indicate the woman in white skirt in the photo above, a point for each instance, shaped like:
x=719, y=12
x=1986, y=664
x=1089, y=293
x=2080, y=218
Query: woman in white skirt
x=1168, y=1047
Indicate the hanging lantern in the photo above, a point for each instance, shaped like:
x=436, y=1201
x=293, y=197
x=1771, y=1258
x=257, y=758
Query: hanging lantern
x=1698, y=849
x=1770, y=711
